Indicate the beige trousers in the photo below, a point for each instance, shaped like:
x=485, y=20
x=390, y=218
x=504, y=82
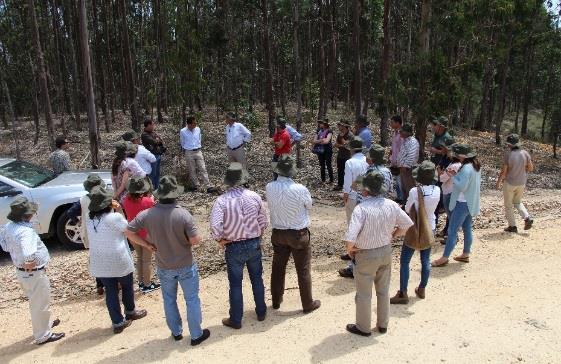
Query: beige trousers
x=238, y=155
x=349, y=207
x=197, y=168
x=37, y=288
x=143, y=264
x=513, y=199
x=372, y=269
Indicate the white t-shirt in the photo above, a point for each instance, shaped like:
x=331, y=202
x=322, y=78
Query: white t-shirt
x=432, y=197
x=110, y=256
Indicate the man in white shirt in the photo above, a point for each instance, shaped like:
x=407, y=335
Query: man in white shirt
x=143, y=156
x=236, y=137
x=295, y=136
x=289, y=205
x=374, y=223
x=190, y=138
x=30, y=258
x=407, y=159
x=356, y=166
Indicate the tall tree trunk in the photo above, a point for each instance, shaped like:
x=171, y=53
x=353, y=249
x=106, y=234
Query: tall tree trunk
x=268, y=66
x=332, y=69
x=159, y=68
x=502, y=91
x=385, y=72
x=357, y=87
x=67, y=16
x=59, y=60
x=10, y=108
x=135, y=119
x=323, y=97
x=88, y=84
x=517, y=102
x=528, y=89
x=41, y=74
x=107, y=15
x=297, y=72
x=100, y=69
x=424, y=49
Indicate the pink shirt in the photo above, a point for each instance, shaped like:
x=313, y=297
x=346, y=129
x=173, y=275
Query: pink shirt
x=134, y=207
x=238, y=214
x=397, y=142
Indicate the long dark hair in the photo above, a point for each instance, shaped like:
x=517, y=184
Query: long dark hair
x=474, y=162
x=116, y=164
x=138, y=196
x=100, y=213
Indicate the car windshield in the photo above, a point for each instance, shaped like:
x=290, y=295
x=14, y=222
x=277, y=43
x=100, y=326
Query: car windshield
x=26, y=173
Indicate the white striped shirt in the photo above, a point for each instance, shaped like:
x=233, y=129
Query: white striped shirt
x=237, y=135
x=289, y=204
x=409, y=153
x=373, y=222
x=238, y=214
x=354, y=167
x=388, y=180
x=24, y=245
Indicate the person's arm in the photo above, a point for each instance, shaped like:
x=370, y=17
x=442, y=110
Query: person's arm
x=262, y=217
x=462, y=179
x=146, y=154
x=403, y=223
x=502, y=175
x=27, y=239
x=123, y=185
x=529, y=165
x=74, y=211
x=217, y=223
x=67, y=164
x=327, y=139
x=181, y=139
x=246, y=134
x=411, y=199
x=307, y=199
x=347, y=181
x=135, y=238
x=355, y=226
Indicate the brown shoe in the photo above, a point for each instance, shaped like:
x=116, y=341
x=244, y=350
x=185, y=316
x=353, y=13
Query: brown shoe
x=400, y=298
x=136, y=315
x=420, y=292
x=227, y=322
x=119, y=329
x=315, y=305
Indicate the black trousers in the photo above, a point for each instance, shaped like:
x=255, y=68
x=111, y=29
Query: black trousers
x=341, y=171
x=325, y=160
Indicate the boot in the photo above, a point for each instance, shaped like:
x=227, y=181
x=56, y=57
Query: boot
x=420, y=292
x=400, y=298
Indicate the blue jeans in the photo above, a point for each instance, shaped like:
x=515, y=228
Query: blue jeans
x=238, y=254
x=398, y=192
x=188, y=278
x=112, y=297
x=405, y=259
x=155, y=174
x=446, y=203
x=459, y=217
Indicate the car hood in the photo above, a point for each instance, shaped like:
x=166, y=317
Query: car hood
x=69, y=178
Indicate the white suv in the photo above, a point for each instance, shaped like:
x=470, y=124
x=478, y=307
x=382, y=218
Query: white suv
x=54, y=195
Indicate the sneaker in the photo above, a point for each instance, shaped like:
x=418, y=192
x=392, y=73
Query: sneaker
x=511, y=229
x=346, y=273
x=149, y=288
x=528, y=222
x=55, y=336
x=204, y=336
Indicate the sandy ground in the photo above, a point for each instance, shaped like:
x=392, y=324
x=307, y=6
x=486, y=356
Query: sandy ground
x=500, y=308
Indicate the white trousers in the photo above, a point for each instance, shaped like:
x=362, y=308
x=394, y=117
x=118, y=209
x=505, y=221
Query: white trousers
x=37, y=288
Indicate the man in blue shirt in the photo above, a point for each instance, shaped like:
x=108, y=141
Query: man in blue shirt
x=362, y=131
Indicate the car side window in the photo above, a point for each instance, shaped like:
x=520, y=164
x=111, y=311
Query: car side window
x=4, y=187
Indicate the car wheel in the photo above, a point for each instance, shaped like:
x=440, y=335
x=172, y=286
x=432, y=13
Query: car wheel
x=68, y=232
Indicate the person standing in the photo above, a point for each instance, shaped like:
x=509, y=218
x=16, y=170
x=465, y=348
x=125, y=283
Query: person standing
x=343, y=151
x=137, y=200
x=356, y=166
x=289, y=205
x=445, y=174
x=324, y=149
x=59, y=160
x=237, y=222
x=373, y=225
x=143, y=156
x=176, y=235
x=361, y=130
x=464, y=203
x=237, y=135
x=153, y=142
x=441, y=136
x=407, y=159
x=190, y=139
x=281, y=142
x=517, y=163
x=395, y=123
x=30, y=258
x=124, y=167
x=430, y=195
x=111, y=259
x=295, y=136
x=375, y=161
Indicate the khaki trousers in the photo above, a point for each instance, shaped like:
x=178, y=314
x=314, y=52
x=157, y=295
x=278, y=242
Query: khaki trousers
x=143, y=264
x=197, y=168
x=372, y=268
x=37, y=288
x=349, y=207
x=513, y=199
x=407, y=181
x=238, y=155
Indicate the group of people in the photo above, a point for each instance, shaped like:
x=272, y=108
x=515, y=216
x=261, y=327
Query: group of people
x=382, y=201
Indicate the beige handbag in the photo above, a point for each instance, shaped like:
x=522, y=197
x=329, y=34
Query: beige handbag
x=420, y=235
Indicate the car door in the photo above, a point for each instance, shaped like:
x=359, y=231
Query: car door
x=8, y=193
